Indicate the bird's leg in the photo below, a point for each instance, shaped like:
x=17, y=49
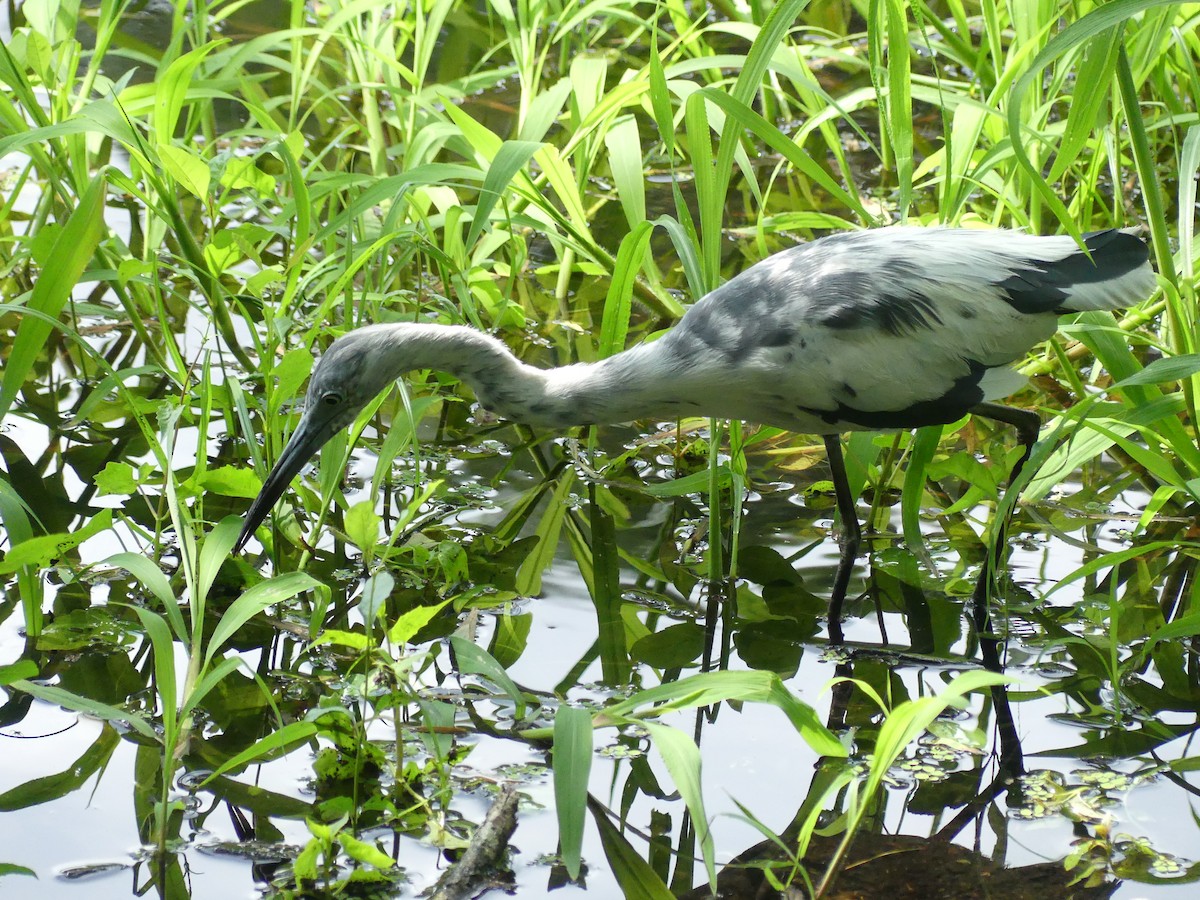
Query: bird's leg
x=851, y=534
x=1028, y=425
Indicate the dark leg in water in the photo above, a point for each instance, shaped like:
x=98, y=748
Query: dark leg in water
x=1025, y=421
x=851, y=534
x=1027, y=424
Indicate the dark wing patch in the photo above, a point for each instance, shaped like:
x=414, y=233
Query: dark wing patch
x=1042, y=286
x=896, y=313
x=744, y=315
x=949, y=407
x=709, y=324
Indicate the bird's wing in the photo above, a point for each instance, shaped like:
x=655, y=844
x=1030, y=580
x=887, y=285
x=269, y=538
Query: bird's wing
x=894, y=327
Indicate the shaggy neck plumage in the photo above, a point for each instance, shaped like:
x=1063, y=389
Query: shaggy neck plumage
x=579, y=394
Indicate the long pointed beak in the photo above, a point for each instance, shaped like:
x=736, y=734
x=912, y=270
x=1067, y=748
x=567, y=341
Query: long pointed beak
x=306, y=440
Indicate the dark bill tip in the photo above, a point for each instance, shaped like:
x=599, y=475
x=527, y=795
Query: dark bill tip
x=306, y=440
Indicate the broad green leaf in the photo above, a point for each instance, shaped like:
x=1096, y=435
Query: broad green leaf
x=572, y=759
x=355, y=640
x=229, y=481
x=189, y=170
x=22, y=668
x=288, y=374
x=115, y=478
x=474, y=660
x=410, y=623
x=362, y=525
x=675, y=646
x=363, y=852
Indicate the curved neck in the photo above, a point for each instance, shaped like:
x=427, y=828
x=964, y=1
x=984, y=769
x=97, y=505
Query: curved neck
x=585, y=393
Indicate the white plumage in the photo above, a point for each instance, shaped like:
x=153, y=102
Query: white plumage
x=889, y=328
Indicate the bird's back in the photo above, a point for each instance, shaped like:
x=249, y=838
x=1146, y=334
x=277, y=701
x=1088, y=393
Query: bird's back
x=891, y=327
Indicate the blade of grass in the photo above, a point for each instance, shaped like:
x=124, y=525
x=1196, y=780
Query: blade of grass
x=572, y=758
x=72, y=251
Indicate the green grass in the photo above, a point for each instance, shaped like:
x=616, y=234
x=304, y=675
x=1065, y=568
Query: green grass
x=187, y=221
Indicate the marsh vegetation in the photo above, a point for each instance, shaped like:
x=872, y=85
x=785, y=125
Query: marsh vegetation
x=622, y=629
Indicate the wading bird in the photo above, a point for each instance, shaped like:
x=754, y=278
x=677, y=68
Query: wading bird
x=871, y=330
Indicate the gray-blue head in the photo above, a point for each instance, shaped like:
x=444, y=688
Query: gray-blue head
x=354, y=370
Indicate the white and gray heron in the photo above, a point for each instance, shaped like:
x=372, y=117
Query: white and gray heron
x=881, y=329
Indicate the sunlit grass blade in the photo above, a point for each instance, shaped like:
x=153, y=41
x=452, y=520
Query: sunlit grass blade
x=1111, y=15
x=901, y=726
x=746, y=117
x=682, y=759
x=510, y=159
x=71, y=252
x=89, y=707
x=166, y=681
x=710, y=688
x=898, y=110
x=614, y=325
x=255, y=599
x=921, y=452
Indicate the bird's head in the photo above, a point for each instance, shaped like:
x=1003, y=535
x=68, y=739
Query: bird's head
x=347, y=377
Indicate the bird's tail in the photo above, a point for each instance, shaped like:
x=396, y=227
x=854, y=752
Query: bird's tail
x=1001, y=382
x=1114, y=273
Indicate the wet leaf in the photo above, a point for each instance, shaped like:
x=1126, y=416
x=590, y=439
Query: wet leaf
x=47, y=548
x=410, y=623
x=74, y=776
x=672, y=647
x=572, y=758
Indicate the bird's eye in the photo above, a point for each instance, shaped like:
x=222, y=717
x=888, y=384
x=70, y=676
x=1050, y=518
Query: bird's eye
x=333, y=398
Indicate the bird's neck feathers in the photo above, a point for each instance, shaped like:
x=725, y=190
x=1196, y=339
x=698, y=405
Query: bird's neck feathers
x=580, y=394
